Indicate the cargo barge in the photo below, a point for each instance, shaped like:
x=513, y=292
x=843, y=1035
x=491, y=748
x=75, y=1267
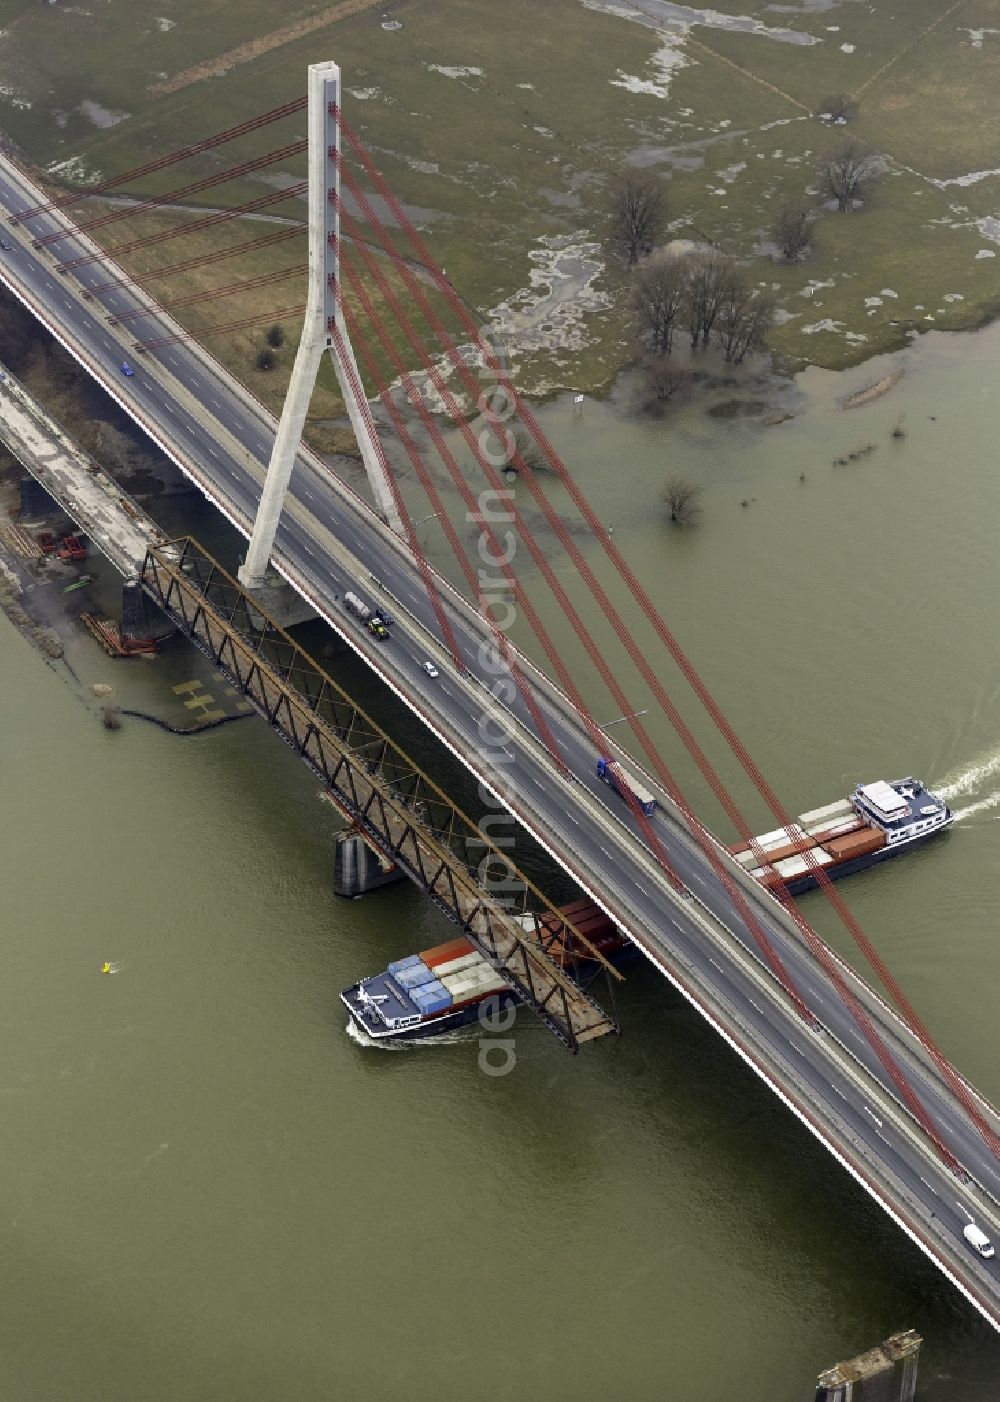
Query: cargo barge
x=878, y=821
x=444, y=988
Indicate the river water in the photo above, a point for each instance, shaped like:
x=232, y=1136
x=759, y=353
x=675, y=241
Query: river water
x=211, y=1191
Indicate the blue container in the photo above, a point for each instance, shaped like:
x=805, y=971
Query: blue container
x=414, y=977
x=434, y=984
x=431, y=986
x=432, y=998
x=410, y=962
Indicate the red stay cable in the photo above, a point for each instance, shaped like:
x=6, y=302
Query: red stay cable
x=822, y=953
x=910, y=1016
x=179, y=230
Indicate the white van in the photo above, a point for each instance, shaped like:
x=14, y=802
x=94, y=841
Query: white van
x=979, y=1241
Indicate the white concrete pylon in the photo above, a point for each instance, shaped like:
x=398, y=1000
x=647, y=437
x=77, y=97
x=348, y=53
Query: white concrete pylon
x=322, y=312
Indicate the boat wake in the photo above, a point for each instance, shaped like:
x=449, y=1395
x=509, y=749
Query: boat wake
x=982, y=805
x=394, y=1044
x=968, y=780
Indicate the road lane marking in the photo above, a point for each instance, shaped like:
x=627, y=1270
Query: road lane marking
x=871, y=1112
x=929, y=1185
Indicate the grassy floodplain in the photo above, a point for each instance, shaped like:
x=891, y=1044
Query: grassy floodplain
x=503, y=126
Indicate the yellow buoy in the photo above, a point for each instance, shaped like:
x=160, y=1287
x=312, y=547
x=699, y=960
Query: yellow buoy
x=106, y=969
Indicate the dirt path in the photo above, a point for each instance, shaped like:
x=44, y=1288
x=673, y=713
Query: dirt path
x=907, y=47
x=748, y=74
x=213, y=67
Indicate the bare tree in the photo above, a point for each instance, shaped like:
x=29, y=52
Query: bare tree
x=657, y=301
x=836, y=108
x=793, y=229
x=745, y=316
x=709, y=274
x=528, y=450
x=664, y=380
x=846, y=170
x=638, y=210
x=683, y=499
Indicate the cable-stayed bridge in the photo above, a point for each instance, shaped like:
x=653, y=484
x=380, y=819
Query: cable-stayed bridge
x=863, y=1074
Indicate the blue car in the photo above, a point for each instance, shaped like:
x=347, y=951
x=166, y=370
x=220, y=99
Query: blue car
x=127, y=369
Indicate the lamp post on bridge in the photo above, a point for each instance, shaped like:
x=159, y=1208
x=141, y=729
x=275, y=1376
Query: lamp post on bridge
x=632, y=715
x=433, y=516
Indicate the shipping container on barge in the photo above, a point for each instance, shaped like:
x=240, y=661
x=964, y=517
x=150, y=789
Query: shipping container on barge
x=444, y=988
x=878, y=821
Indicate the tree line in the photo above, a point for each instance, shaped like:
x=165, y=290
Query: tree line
x=703, y=294
x=639, y=211
x=706, y=294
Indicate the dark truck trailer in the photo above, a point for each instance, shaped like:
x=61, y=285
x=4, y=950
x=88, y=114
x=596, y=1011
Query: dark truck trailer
x=625, y=783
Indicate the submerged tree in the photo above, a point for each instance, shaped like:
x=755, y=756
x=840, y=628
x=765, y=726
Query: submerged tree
x=709, y=275
x=746, y=315
x=683, y=500
x=664, y=380
x=846, y=170
x=638, y=210
x=527, y=450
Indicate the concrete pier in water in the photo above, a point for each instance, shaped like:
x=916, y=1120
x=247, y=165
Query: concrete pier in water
x=887, y=1373
x=358, y=869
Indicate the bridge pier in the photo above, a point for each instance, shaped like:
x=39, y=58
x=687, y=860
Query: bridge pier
x=35, y=500
x=142, y=621
x=884, y=1374
x=358, y=869
x=282, y=604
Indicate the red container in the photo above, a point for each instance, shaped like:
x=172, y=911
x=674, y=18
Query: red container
x=790, y=849
x=444, y=953
x=855, y=844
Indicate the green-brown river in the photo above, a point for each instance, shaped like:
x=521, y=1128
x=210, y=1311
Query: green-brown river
x=209, y=1191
